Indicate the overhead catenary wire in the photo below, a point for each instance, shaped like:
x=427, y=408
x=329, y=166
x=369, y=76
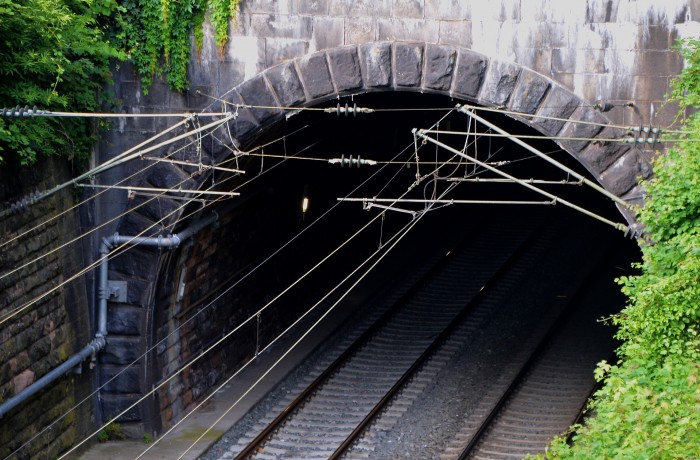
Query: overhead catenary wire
x=407, y=229
x=116, y=252
x=500, y=110
x=229, y=288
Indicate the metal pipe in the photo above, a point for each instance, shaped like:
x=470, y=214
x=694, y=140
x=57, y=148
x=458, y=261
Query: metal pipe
x=90, y=349
x=99, y=342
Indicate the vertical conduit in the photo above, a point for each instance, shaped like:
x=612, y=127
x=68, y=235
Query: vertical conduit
x=100, y=341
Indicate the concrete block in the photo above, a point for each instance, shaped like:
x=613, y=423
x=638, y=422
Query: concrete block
x=499, y=83
x=255, y=92
x=316, y=76
x=469, y=73
x=286, y=84
x=269, y=6
x=529, y=92
x=376, y=64
x=119, y=380
x=408, y=64
x=560, y=104
x=439, y=65
x=345, y=68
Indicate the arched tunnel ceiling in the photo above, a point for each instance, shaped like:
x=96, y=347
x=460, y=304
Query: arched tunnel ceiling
x=311, y=140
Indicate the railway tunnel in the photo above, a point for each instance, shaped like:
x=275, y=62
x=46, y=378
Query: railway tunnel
x=267, y=239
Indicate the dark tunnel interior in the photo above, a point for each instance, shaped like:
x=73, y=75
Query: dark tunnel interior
x=266, y=243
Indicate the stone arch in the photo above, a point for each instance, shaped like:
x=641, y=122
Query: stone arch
x=459, y=73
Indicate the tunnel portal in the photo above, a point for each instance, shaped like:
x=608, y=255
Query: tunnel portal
x=266, y=241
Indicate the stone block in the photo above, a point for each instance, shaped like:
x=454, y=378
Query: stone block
x=589, y=129
x=314, y=7
x=137, y=263
x=499, y=83
x=599, y=156
x=113, y=405
x=456, y=33
x=286, y=84
x=624, y=174
x=448, y=10
x=121, y=350
x=344, y=65
x=230, y=75
x=408, y=8
x=278, y=50
x=408, y=64
x=242, y=128
x=136, y=289
x=417, y=30
x=439, y=65
x=135, y=224
x=255, y=92
x=376, y=64
x=167, y=175
x=281, y=26
x=328, y=33
x=357, y=8
x=268, y=6
x=360, y=30
x=560, y=104
x=125, y=320
x=316, y=76
x=120, y=380
x=529, y=92
x=154, y=208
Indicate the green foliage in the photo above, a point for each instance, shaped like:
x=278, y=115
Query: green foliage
x=147, y=438
x=650, y=404
x=686, y=88
x=54, y=55
x=111, y=432
x=156, y=34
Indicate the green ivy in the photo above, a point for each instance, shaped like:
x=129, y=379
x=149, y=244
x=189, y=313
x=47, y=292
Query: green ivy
x=156, y=34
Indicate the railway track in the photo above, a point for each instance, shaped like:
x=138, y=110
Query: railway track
x=546, y=395
x=333, y=411
x=386, y=395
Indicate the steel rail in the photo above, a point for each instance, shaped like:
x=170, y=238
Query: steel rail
x=435, y=345
x=539, y=350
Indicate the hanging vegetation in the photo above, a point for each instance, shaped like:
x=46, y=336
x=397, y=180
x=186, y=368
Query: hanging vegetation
x=156, y=34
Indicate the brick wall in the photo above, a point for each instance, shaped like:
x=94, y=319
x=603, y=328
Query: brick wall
x=47, y=332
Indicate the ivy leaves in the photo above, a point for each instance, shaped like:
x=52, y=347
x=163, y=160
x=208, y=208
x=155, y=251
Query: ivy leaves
x=157, y=34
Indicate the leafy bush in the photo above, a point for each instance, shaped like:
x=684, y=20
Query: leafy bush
x=650, y=404
x=54, y=55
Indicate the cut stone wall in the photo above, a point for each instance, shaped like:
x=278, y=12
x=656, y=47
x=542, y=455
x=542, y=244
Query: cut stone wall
x=41, y=334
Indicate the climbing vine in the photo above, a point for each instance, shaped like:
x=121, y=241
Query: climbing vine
x=156, y=34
